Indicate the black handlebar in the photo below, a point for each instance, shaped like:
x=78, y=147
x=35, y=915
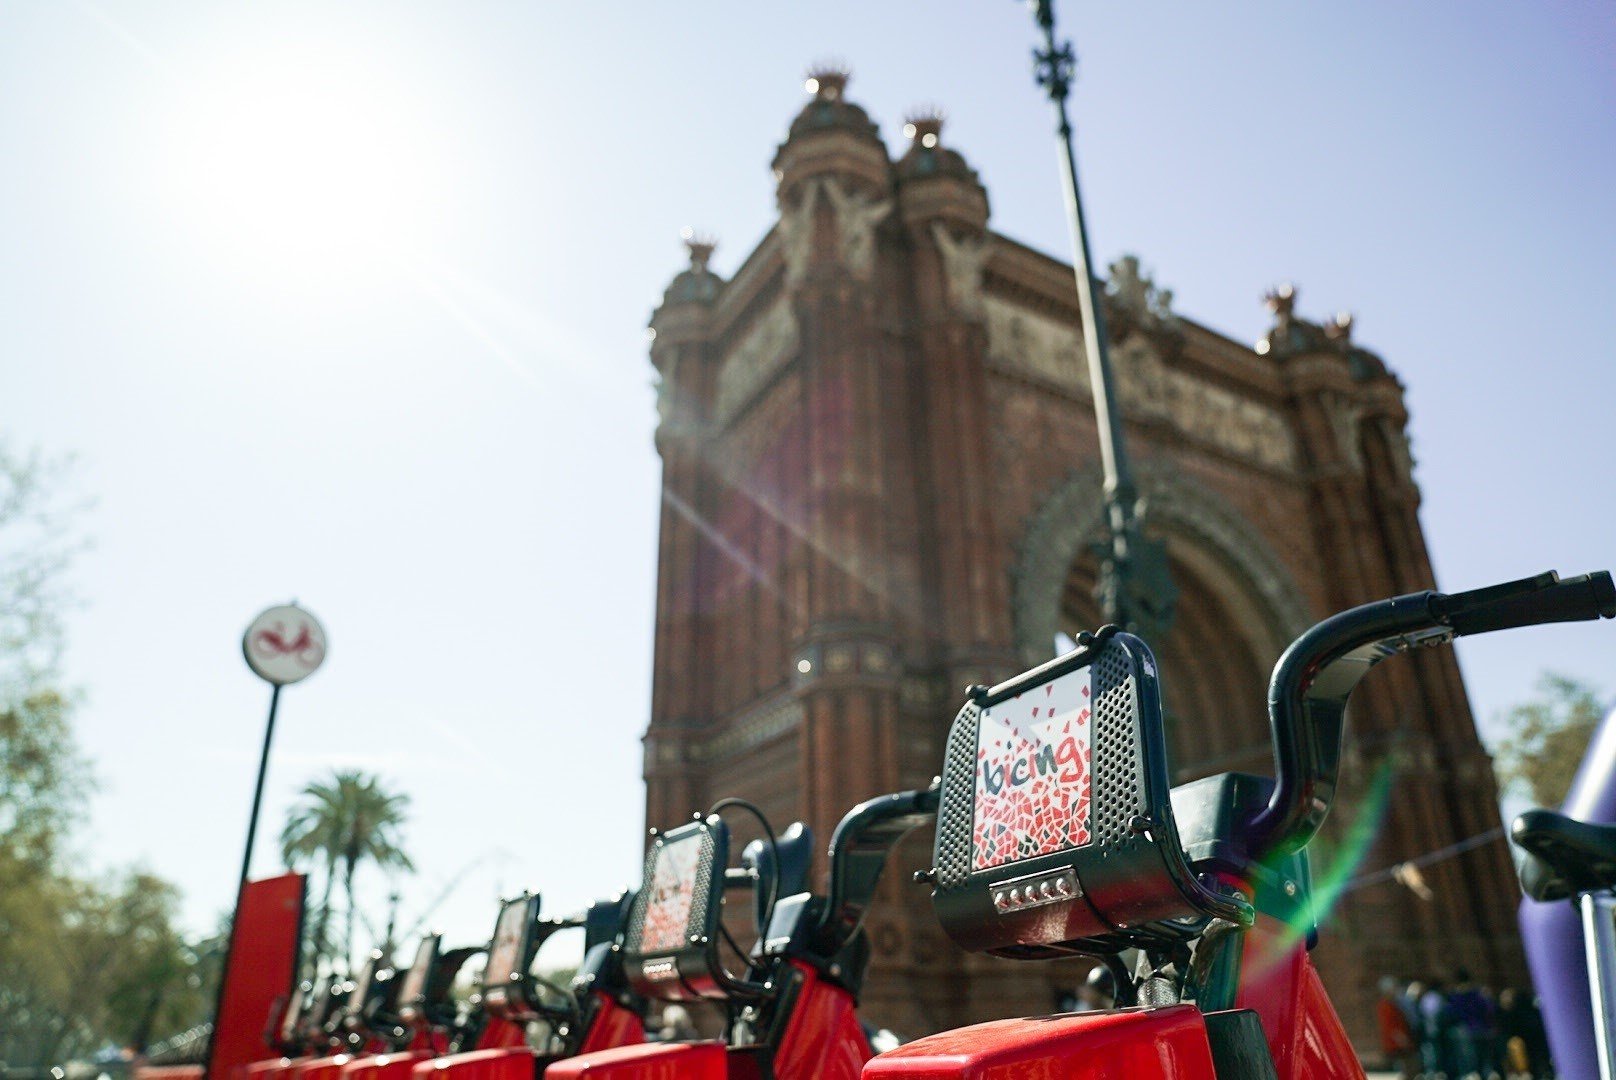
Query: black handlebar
x=859, y=848
x=1307, y=695
x=1529, y=602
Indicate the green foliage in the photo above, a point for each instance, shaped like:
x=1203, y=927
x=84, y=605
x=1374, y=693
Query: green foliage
x=43, y=780
x=341, y=824
x=37, y=544
x=82, y=963
x=1548, y=737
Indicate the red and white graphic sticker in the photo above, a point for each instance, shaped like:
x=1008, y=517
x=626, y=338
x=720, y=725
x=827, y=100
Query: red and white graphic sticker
x=284, y=645
x=1033, y=778
x=504, y=952
x=673, y=884
x=414, y=986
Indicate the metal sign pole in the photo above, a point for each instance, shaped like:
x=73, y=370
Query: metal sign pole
x=246, y=865
x=258, y=792
x=283, y=645
x=1135, y=590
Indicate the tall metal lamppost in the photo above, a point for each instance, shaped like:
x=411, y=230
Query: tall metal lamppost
x=1135, y=589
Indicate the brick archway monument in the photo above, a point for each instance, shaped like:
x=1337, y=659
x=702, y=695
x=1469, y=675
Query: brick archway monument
x=879, y=484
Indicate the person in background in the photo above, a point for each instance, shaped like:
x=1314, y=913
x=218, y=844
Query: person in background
x=1436, y=1023
x=1416, y=1022
x=1491, y=1055
x=1525, y=1049
x=1397, y=1041
x=1472, y=1029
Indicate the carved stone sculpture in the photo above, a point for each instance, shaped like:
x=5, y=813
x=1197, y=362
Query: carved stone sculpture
x=857, y=215
x=962, y=268
x=1137, y=300
x=797, y=233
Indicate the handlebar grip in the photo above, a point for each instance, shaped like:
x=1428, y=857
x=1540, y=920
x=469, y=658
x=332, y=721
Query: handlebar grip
x=1532, y=601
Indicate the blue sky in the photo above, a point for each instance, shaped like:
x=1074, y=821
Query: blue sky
x=347, y=303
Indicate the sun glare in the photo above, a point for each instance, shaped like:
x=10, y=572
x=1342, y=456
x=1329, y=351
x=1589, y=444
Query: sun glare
x=306, y=164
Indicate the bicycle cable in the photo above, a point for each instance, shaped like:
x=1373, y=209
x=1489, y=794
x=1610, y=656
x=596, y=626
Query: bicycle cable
x=774, y=856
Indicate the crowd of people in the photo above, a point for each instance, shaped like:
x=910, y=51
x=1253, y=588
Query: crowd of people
x=1454, y=1029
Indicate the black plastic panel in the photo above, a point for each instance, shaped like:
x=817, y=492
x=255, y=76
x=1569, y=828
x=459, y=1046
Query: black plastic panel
x=1055, y=831
x=510, y=954
x=413, y=985
x=670, y=947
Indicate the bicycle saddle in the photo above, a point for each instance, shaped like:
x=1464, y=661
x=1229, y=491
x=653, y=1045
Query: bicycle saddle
x=1565, y=857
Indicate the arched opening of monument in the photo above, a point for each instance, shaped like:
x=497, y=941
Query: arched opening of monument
x=1214, y=662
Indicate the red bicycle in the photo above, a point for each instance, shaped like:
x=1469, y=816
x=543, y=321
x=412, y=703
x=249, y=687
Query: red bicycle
x=1196, y=898
x=1058, y=835
x=596, y=1012
x=791, y=1008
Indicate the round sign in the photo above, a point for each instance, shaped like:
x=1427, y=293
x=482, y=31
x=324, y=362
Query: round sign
x=284, y=645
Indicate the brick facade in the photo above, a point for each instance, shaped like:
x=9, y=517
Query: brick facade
x=881, y=482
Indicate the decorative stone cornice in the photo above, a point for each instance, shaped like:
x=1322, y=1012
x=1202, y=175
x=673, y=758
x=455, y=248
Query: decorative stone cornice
x=752, y=727
x=674, y=326
x=844, y=658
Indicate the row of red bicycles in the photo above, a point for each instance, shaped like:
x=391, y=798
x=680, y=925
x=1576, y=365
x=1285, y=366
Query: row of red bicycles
x=1057, y=834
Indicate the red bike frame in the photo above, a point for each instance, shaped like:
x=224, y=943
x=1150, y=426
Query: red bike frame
x=503, y=1053
x=822, y=1041
x=1281, y=985
x=1169, y=1041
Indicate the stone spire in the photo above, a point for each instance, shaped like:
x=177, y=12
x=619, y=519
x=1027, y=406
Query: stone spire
x=833, y=166
x=926, y=155
x=831, y=136
x=936, y=181
x=696, y=284
x=1292, y=335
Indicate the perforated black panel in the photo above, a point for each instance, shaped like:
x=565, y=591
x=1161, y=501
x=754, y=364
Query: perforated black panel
x=700, y=902
x=954, y=814
x=636, y=914
x=1117, y=797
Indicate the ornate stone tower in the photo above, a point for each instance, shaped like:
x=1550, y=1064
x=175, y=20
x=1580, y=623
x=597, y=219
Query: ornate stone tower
x=880, y=484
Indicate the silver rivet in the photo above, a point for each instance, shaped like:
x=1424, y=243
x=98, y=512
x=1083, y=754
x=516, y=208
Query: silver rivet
x=1290, y=888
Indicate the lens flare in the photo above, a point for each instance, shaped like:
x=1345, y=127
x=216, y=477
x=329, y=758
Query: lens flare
x=1331, y=882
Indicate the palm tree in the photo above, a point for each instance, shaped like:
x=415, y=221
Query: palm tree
x=346, y=820
x=310, y=835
